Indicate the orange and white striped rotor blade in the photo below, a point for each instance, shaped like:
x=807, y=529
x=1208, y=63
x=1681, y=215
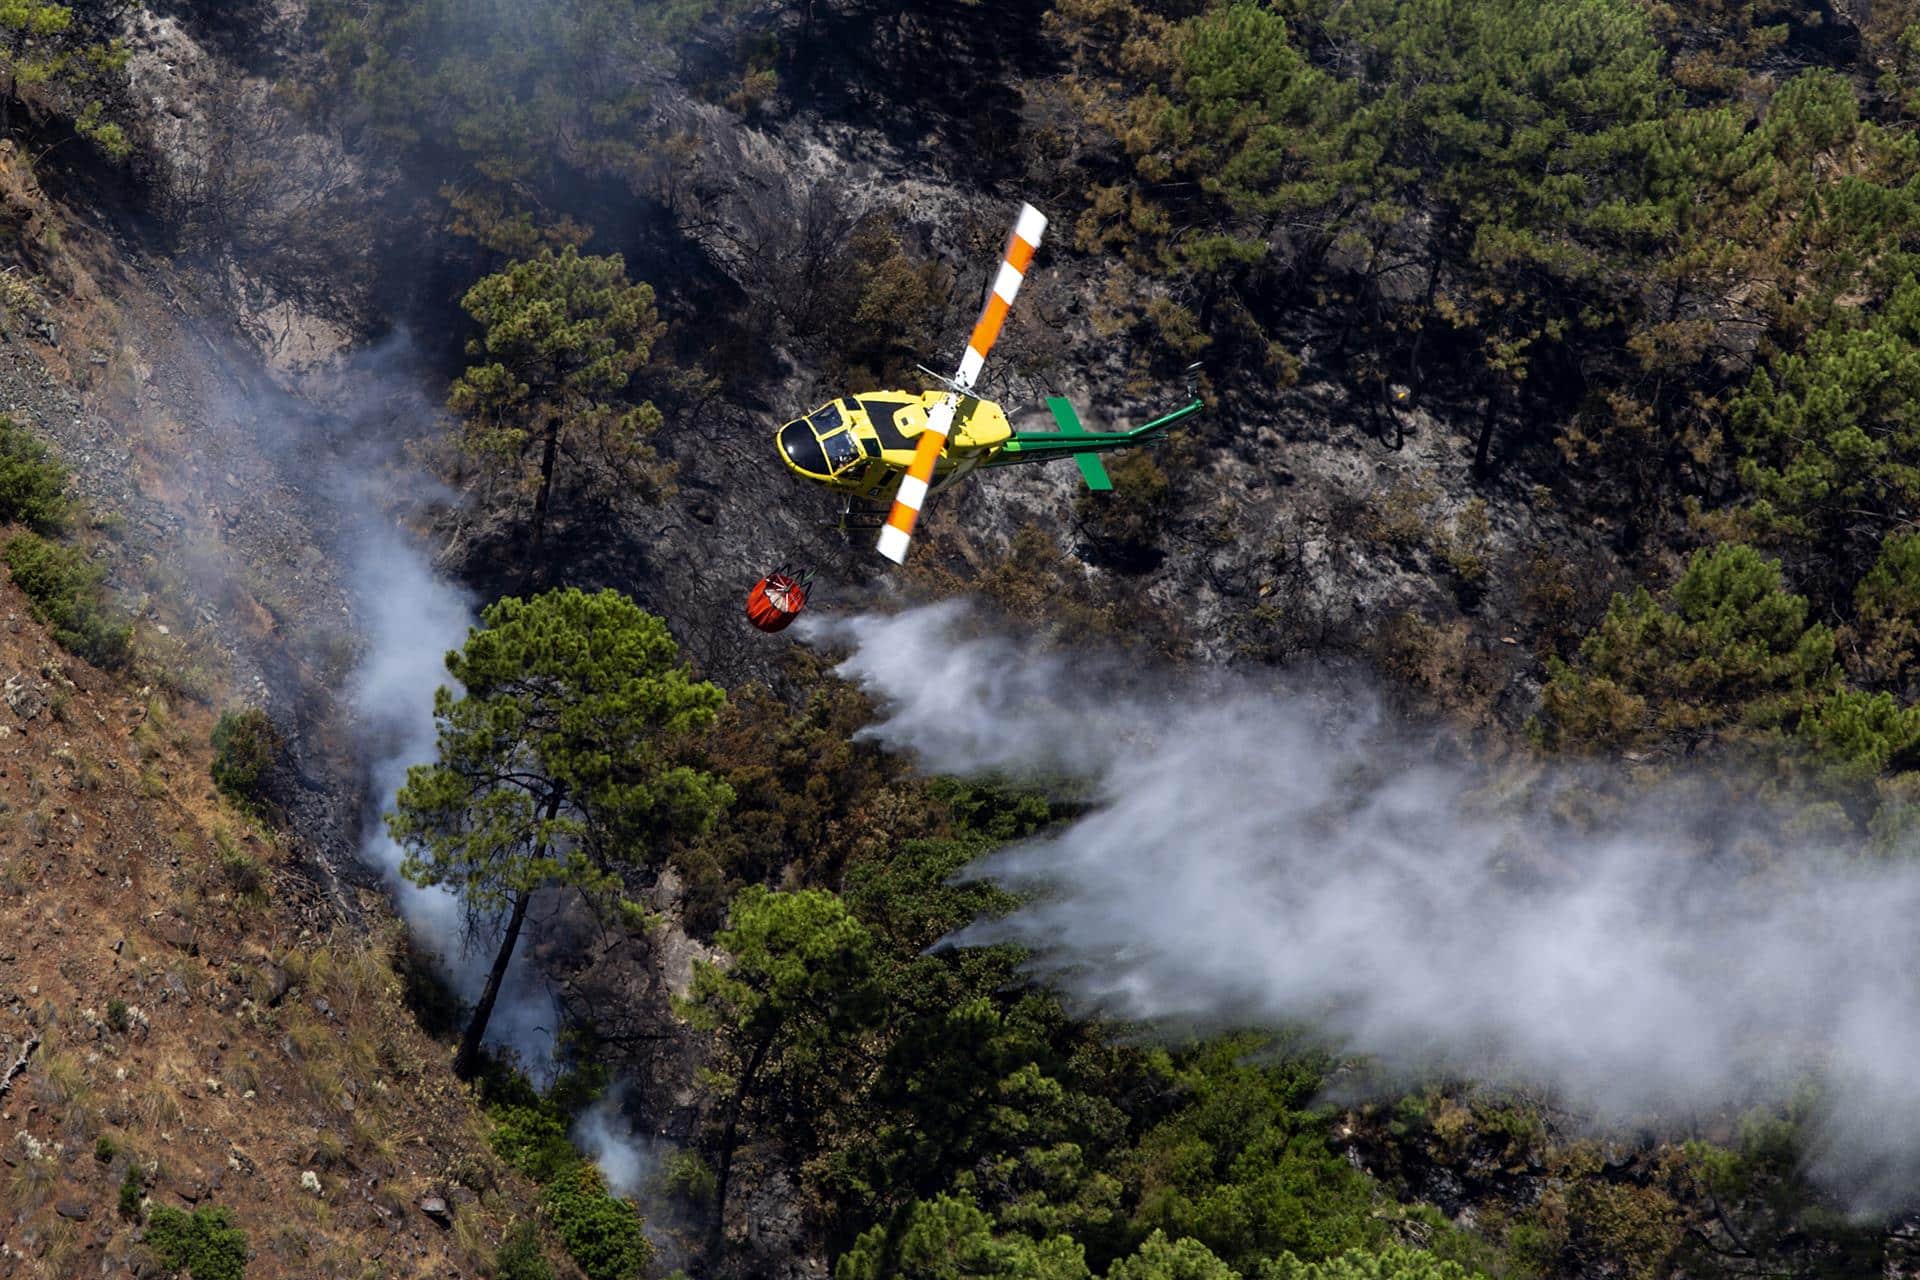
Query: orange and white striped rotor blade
x=1027, y=230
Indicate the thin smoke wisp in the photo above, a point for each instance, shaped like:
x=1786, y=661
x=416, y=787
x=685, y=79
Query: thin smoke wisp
x=1253, y=855
x=410, y=618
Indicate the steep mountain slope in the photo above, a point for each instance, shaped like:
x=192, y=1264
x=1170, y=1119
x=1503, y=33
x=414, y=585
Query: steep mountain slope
x=196, y=1022
x=1466, y=384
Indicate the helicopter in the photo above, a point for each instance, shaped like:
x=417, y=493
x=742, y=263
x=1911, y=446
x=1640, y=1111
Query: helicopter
x=903, y=445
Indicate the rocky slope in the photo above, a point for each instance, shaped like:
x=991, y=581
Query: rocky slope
x=197, y=1023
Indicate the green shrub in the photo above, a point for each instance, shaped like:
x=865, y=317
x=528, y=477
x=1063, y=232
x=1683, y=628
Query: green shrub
x=1726, y=647
x=1394, y=1263
x=1886, y=618
x=133, y=1185
x=243, y=874
x=689, y=1177
x=1125, y=523
x=520, y=1256
x=32, y=483
x=245, y=746
x=1858, y=736
x=204, y=1243
x=601, y=1232
x=1159, y=1258
x=1244, y=1171
x=533, y=1139
x=948, y=1237
x=67, y=593
x=1828, y=433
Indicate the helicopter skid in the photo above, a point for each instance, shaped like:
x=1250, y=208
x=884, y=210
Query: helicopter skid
x=857, y=519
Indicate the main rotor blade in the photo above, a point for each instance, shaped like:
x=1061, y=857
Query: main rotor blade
x=1027, y=230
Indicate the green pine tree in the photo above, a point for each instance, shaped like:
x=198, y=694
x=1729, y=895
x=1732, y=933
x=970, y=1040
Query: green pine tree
x=1159, y=1258
x=554, y=766
x=69, y=52
x=1395, y=1263
x=1831, y=434
x=1886, y=612
x=1726, y=647
x=801, y=987
x=949, y=1238
x=563, y=336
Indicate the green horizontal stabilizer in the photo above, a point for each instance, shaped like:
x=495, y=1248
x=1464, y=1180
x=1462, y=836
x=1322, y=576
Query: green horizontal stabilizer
x=1092, y=470
x=1081, y=444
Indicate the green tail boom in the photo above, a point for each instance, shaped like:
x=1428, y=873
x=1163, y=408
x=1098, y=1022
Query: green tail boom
x=1084, y=446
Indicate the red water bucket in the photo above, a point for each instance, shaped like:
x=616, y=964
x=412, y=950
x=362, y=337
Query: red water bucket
x=775, y=601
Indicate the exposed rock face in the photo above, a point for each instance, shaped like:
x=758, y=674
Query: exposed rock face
x=23, y=699
x=769, y=1229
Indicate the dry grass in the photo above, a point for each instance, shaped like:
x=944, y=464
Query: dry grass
x=33, y=1181
x=156, y=735
x=348, y=1262
x=317, y=1058
x=1401, y=517
x=471, y=1238
x=61, y=1077
x=62, y=1248
x=238, y=872
x=372, y=1139
x=290, y=1242
x=329, y=1150
x=161, y=1109
x=241, y=1078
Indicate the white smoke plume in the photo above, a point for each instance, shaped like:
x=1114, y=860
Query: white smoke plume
x=1253, y=855
x=633, y=1163
x=628, y=1160
x=338, y=430
x=410, y=617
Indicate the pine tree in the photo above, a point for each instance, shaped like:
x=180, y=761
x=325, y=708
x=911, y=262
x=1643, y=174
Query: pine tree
x=70, y=50
x=554, y=767
x=1886, y=617
x=949, y=1238
x=1395, y=1263
x=1159, y=1258
x=1831, y=434
x=1727, y=646
x=801, y=986
x=563, y=337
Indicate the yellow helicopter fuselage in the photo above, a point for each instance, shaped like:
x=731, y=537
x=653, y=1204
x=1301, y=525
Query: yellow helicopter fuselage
x=862, y=444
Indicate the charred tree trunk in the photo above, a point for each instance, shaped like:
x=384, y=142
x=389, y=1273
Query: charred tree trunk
x=727, y=1138
x=543, y=499
x=1483, y=448
x=468, y=1059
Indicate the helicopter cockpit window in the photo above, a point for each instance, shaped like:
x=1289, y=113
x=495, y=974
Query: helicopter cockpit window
x=826, y=418
x=802, y=447
x=841, y=450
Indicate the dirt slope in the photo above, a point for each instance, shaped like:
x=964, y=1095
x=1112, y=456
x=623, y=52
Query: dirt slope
x=198, y=1015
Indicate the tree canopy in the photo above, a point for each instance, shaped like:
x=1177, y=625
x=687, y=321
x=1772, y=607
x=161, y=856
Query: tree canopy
x=556, y=764
x=562, y=337
x=68, y=57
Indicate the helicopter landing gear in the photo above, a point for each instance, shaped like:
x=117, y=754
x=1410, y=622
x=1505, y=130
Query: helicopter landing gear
x=855, y=518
